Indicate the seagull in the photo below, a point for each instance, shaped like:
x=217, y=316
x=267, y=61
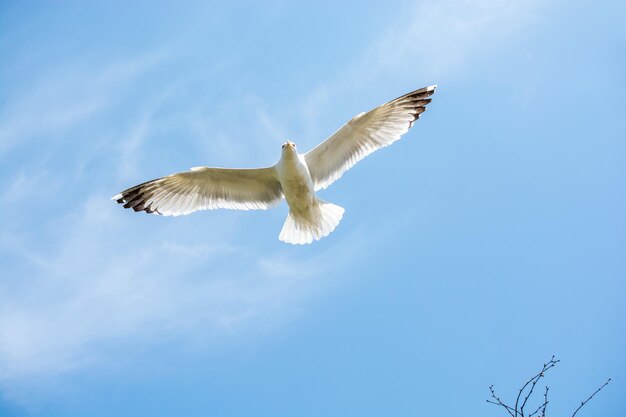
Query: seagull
x=295, y=177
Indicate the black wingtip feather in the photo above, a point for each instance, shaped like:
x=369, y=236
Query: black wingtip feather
x=422, y=93
x=136, y=198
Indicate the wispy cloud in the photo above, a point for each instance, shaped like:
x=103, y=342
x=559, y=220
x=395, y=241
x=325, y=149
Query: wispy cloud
x=66, y=96
x=431, y=42
x=441, y=38
x=96, y=289
x=238, y=137
x=93, y=289
x=85, y=290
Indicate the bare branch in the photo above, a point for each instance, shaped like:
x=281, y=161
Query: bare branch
x=509, y=409
x=551, y=363
x=532, y=387
x=595, y=392
x=545, y=402
x=526, y=391
x=499, y=402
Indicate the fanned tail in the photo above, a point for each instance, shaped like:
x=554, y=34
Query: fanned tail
x=319, y=222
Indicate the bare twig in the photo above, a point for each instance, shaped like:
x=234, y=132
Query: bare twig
x=499, y=402
x=551, y=363
x=590, y=397
x=545, y=402
x=532, y=387
x=524, y=394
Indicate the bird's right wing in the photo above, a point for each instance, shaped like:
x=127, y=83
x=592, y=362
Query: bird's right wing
x=364, y=134
x=205, y=188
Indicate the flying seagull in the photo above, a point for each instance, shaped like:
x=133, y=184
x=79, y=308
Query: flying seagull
x=296, y=177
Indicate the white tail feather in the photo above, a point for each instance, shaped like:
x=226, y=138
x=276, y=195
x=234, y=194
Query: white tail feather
x=320, y=220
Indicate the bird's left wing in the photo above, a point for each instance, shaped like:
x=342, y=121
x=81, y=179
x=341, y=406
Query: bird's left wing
x=364, y=134
x=205, y=188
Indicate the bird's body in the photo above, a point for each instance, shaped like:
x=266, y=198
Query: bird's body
x=296, y=177
x=309, y=217
x=295, y=180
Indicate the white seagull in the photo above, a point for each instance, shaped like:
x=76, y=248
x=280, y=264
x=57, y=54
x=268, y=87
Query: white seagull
x=296, y=177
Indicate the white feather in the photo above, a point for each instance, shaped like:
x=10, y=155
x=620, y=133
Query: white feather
x=323, y=219
x=364, y=134
x=205, y=188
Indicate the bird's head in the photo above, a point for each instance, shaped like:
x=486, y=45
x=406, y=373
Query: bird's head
x=289, y=146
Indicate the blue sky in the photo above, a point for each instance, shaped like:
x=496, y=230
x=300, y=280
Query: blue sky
x=491, y=237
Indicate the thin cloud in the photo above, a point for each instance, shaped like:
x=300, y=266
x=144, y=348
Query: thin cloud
x=430, y=42
x=95, y=289
x=65, y=97
x=440, y=38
